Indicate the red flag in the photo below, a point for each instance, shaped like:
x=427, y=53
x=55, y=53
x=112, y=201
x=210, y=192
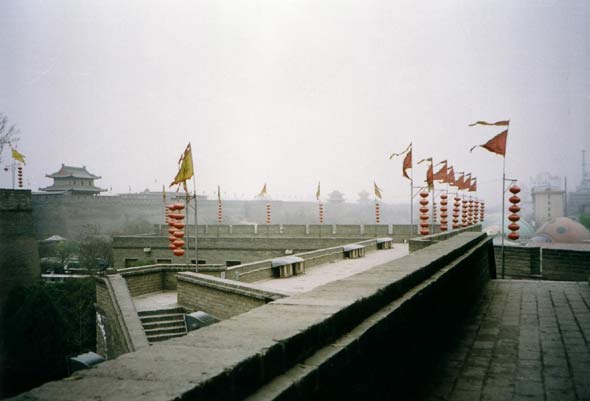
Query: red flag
x=430, y=177
x=467, y=183
x=496, y=145
x=450, y=176
x=473, y=186
x=441, y=175
x=460, y=183
x=500, y=123
x=407, y=163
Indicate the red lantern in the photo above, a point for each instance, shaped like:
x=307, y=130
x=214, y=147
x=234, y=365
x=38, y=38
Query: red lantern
x=171, y=247
x=514, y=208
x=178, y=243
x=178, y=252
x=178, y=225
x=179, y=234
x=178, y=206
x=171, y=230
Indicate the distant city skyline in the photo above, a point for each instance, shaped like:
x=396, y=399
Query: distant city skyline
x=295, y=93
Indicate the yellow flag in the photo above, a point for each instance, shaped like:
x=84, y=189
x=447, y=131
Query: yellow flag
x=185, y=170
x=377, y=190
x=16, y=155
x=263, y=191
x=317, y=193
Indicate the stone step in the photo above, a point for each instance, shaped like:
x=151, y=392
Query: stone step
x=163, y=324
x=180, y=330
x=160, y=311
x=163, y=337
x=162, y=318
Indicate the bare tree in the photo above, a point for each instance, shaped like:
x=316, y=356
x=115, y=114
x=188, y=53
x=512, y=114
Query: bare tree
x=8, y=134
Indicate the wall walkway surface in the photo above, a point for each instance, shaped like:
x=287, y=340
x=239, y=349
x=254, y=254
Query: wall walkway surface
x=308, y=346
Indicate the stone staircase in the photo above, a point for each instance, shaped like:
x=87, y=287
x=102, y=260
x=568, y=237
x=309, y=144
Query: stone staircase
x=163, y=324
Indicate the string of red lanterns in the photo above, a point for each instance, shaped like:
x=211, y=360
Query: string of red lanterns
x=464, y=220
x=476, y=211
x=20, y=176
x=175, y=224
x=219, y=213
x=268, y=216
x=377, y=213
x=424, y=213
x=321, y=206
x=443, y=212
x=514, y=209
x=456, y=206
x=482, y=211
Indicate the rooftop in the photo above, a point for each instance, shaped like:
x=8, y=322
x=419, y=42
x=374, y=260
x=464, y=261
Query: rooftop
x=73, y=172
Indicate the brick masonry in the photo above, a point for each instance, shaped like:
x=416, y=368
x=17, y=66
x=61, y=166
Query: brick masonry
x=544, y=263
x=19, y=258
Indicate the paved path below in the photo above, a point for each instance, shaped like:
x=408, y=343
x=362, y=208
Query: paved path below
x=526, y=340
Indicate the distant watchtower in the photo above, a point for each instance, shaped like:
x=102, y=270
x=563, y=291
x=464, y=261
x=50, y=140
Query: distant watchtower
x=75, y=180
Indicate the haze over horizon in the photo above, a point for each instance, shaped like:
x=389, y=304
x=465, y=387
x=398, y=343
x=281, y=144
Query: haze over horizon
x=292, y=93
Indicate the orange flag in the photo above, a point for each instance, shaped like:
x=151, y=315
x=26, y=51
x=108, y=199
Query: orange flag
x=407, y=164
x=473, y=186
x=495, y=145
x=450, y=176
x=430, y=177
x=467, y=183
x=441, y=175
x=460, y=183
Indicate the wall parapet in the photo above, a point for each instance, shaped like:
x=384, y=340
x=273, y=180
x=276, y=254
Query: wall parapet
x=418, y=243
x=235, y=358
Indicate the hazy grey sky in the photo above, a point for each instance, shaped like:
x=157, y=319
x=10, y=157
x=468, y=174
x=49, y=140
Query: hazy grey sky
x=292, y=92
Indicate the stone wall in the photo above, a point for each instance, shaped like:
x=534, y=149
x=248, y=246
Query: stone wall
x=418, y=243
x=119, y=329
x=19, y=258
x=218, y=297
x=74, y=215
x=544, y=263
x=363, y=337
x=220, y=250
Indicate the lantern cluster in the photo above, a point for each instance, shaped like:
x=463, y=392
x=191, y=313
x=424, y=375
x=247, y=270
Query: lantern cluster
x=443, y=212
x=268, y=219
x=475, y=211
x=321, y=205
x=482, y=211
x=219, y=213
x=377, y=213
x=424, y=213
x=470, y=212
x=514, y=209
x=20, y=176
x=456, y=205
x=175, y=226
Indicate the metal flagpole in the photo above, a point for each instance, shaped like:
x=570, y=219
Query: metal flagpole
x=432, y=209
x=187, y=245
x=502, y=223
x=411, y=206
x=196, y=226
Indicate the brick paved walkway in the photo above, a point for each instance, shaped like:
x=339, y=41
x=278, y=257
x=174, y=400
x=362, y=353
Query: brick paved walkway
x=525, y=340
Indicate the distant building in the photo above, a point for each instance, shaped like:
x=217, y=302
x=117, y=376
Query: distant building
x=75, y=180
x=548, y=199
x=579, y=201
x=336, y=197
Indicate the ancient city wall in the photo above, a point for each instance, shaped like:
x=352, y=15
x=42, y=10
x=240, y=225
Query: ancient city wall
x=544, y=263
x=357, y=338
x=19, y=258
x=417, y=243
